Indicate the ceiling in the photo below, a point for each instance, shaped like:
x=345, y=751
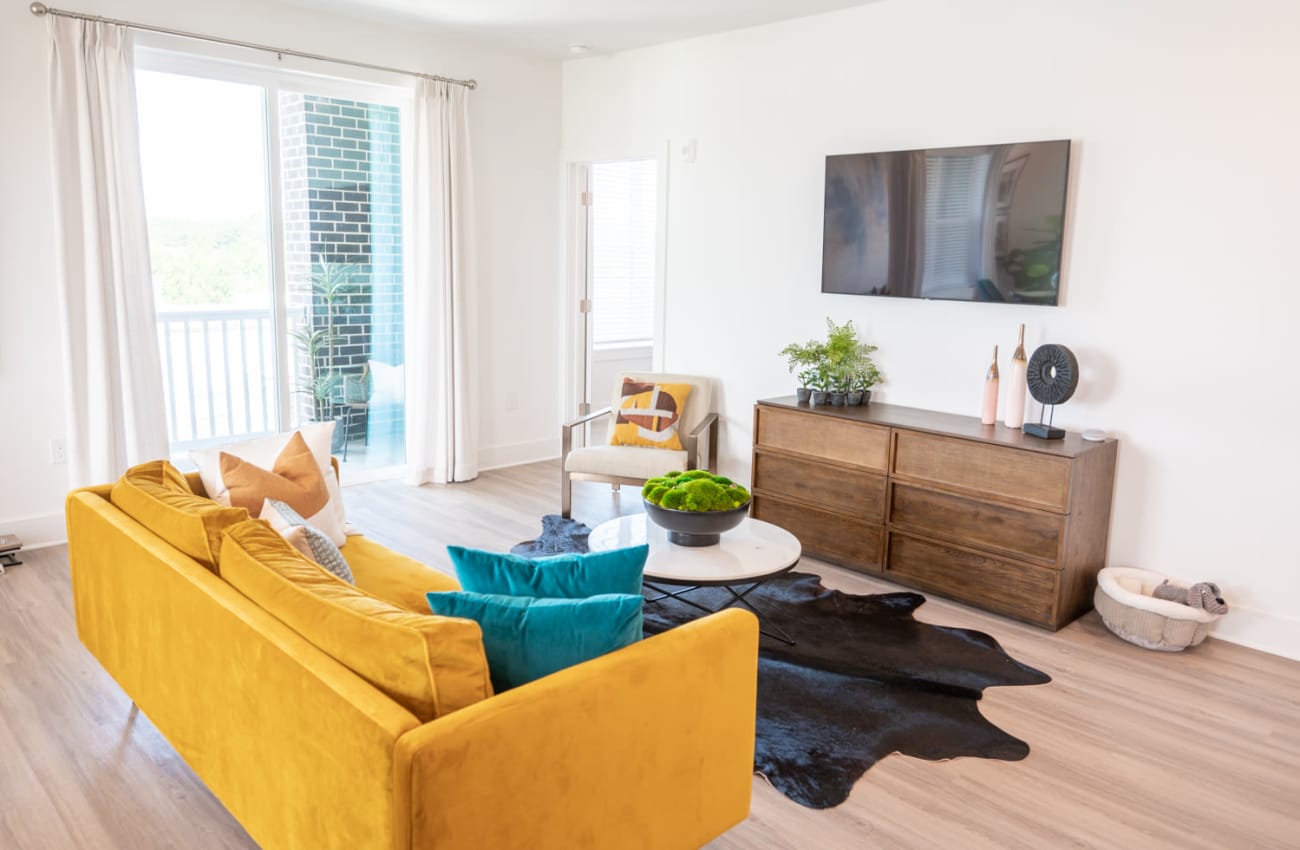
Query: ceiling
x=549, y=27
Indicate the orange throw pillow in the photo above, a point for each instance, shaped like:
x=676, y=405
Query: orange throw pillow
x=295, y=479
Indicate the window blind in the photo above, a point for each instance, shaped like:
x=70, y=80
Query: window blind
x=954, y=199
x=624, y=218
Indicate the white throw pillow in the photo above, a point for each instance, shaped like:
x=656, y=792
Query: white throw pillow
x=263, y=452
x=388, y=383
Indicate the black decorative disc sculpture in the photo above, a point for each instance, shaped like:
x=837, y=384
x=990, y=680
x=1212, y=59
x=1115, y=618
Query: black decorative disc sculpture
x=1053, y=376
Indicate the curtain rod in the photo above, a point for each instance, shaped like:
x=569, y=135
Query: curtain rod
x=40, y=9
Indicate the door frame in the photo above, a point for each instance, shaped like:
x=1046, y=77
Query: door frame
x=577, y=264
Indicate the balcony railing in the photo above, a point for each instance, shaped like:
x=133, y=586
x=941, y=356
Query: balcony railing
x=219, y=374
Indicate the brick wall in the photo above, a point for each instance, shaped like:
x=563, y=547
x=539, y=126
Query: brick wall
x=341, y=169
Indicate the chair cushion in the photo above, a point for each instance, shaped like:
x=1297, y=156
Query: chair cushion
x=388, y=383
x=625, y=461
x=430, y=665
x=157, y=496
x=528, y=638
x=570, y=576
x=648, y=413
x=264, y=453
x=392, y=577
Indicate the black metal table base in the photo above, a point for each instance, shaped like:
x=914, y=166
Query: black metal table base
x=736, y=599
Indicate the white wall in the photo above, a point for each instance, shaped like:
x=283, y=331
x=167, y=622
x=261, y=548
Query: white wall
x=1182, y=287
x=516, y=131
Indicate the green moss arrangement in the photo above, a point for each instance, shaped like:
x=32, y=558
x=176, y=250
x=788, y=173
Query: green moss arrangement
x=695, y=490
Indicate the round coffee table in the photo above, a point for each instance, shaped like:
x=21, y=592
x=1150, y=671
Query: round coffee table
x=750, y=554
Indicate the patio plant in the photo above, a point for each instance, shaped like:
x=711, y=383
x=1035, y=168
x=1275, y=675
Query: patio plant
x=317, y=342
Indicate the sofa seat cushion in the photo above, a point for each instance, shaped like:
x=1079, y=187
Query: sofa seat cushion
x=430, y=665
x=625, y=461
x=157, y=495
x=392, y=577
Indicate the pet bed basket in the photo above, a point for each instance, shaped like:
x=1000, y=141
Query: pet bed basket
x=1124, y=601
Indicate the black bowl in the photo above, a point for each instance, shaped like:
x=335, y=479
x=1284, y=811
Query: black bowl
x=695, y=528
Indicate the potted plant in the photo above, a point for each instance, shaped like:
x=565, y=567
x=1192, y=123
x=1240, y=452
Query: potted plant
x=865, y=376
x=838, y=371
x=841, y=379
x=850, y=360
x=324, y=382
x=802, y=361
x=821, y=383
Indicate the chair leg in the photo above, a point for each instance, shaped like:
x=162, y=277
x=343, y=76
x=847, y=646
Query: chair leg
x=616, y=487
x=566, y=494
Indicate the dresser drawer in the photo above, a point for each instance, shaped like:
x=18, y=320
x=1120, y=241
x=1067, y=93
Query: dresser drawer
x=1016, y=589
x=825, y=535
x=840, y=489
x=1025, y=476
x=840, y=440
x=986, y=525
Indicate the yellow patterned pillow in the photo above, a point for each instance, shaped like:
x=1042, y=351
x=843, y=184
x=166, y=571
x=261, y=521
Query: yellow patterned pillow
x=648, y=415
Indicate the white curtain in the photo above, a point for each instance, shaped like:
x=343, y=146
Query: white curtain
x=113, y=387
x=441, y=375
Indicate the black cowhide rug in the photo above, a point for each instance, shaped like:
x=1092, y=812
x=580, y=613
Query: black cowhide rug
x=863, y=680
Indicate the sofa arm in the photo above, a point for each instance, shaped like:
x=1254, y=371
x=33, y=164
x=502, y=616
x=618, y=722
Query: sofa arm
x=648, y=747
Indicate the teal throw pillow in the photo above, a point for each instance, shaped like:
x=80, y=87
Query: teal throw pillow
x=526, y=639
x=555, y=577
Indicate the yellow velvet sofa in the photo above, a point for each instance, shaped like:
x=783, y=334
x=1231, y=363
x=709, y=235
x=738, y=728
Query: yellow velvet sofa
x=647, y=747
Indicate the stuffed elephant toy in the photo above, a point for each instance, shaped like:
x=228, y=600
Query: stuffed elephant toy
x=1203, y=594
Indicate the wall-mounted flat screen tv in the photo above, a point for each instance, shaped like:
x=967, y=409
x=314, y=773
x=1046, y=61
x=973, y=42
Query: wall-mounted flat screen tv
x=981, y=223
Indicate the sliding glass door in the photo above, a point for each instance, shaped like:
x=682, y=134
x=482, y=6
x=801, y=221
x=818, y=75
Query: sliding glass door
x=203, y=151
x=276, y=228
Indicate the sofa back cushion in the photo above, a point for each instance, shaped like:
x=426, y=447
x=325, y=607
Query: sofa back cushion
x=157, y=495
x=430, y=665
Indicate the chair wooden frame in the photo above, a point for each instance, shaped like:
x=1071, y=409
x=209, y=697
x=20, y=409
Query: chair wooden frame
x=690, y=442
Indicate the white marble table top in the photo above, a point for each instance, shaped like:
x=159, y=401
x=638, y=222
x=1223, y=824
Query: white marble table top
x=752, y=550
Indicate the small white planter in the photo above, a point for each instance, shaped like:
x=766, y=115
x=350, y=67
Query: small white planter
x=1124, y=601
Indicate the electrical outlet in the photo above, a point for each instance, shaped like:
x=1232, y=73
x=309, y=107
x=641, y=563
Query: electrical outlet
x=58, y=450
x=512, y=401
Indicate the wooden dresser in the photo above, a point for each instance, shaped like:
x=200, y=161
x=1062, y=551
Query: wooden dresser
x=982, y=514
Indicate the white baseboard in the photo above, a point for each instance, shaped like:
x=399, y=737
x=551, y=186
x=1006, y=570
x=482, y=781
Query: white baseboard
x=514, y=454
x=1275, y=634
x=37, y=531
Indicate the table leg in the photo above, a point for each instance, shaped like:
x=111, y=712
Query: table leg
x=737, y=598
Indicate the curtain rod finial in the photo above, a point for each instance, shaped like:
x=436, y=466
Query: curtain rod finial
x=39, y=9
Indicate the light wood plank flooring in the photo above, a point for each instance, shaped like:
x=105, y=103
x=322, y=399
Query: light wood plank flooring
x=1130, y=749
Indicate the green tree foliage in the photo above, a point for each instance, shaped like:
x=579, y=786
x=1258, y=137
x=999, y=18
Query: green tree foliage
x=210, y=262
